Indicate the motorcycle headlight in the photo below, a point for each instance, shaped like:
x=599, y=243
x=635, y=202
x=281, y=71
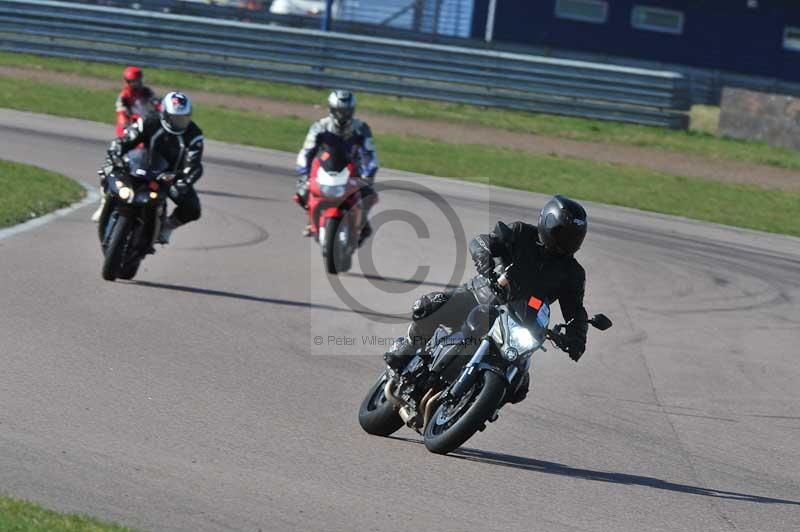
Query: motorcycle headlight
x=510, y=354
x=519, y=337
x=333, y=191
x=125, y=193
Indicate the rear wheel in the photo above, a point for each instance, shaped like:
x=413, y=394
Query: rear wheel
x=455, y=421
x=377, y=414
x=115, y=249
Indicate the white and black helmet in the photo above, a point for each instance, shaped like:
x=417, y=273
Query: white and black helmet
x=342, y=107
x=176, y=112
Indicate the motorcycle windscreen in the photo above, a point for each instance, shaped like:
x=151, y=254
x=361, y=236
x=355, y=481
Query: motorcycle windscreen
x=533, y=313
x=142, y=166
x=333, y=157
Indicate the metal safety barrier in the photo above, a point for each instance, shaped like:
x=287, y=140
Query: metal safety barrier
x=328, y=59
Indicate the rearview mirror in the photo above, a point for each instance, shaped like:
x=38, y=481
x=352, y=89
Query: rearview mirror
x=600, y=321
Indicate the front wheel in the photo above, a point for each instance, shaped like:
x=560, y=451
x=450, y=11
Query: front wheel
x=377, y=415
x=129, y=269
x=115, y=250
x=455, y=421
x=335, y=248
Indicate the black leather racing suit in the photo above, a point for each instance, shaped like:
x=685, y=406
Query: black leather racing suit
x=183, y=152
x=536, y=273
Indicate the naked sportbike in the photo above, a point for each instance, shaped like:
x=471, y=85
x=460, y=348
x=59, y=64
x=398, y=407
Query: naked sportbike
x=134, y=210
x=461, y=379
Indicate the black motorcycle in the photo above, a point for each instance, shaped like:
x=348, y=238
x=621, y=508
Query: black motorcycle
x=466, y=376
x=136, y=193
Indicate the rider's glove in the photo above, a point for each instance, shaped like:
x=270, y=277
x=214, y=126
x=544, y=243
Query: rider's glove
x=573, y=346
x=114, y=153
x=115, y=148
x=301, y=191
x=181, y=187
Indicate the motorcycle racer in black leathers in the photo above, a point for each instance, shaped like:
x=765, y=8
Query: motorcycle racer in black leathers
x=544, y=268
x=172, y=134
x=340, y=128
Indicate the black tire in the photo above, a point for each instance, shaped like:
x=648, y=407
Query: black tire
x=129, y=269
x=442, y=438
x=336, y=259
x=329, y=245
x=116, y=248
x=103, y=220
x=377, y=415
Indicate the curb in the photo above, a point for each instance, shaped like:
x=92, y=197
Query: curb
x=91, y=197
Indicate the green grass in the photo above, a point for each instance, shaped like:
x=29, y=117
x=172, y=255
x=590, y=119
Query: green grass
x=614, y=184
x=22, y=516
x=701, y=142
x=27, y=192
x=705, y=118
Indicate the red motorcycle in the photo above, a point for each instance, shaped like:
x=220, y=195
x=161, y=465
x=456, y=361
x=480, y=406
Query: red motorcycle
x=336, y=206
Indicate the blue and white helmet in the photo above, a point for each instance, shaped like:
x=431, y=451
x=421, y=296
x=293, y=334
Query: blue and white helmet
x=176, y=112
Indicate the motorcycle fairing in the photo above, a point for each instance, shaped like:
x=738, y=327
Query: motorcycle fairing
x=333, y=179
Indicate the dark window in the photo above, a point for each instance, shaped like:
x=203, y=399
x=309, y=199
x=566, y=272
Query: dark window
x=657, y=19
x=791, y=39
x=584, y=10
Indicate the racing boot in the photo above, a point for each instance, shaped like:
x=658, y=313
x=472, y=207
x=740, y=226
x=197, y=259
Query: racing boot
x=169, y=225
x=366, y=232
x=307, y=230
x=400, y=354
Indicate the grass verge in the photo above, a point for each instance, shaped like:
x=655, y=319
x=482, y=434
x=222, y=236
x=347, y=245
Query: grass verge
x=22, y=516
x=614, y=184
x=27, y=192
x=700, y=142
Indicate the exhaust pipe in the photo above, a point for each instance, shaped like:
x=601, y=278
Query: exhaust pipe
x=405, y=415
x=429, y=406
x=425, y=398
x=389, y=393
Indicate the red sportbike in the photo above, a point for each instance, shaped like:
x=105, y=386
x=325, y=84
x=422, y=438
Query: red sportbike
x=336, y=207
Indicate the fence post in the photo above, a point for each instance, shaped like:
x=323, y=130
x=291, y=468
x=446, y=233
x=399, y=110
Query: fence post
x=437, y=13
x=490, y=21
x=325, y=24
x=416, y=24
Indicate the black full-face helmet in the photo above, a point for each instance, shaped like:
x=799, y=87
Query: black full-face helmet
x=562, y=225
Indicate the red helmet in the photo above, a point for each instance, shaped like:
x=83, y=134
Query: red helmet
x=132, y=73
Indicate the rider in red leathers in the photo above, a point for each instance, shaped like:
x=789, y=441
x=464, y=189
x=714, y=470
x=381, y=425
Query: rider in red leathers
x=134, y=100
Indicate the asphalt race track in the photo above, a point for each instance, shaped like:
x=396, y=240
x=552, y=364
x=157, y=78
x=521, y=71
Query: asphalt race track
x=196, y=397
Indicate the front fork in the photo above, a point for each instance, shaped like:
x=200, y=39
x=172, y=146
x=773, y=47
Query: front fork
x=469, y=373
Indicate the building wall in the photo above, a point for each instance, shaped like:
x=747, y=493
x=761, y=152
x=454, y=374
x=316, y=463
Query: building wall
x=728, y=35
x=444, y=17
